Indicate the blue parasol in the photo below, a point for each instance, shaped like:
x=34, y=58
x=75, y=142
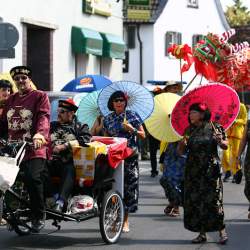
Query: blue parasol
x=87, y=83
x=140, y=99
x=88, y=109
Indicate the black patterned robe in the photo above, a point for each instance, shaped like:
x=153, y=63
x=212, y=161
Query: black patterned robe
x=203, y=194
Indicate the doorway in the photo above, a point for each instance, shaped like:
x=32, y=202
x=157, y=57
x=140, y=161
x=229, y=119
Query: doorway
x=39, y=56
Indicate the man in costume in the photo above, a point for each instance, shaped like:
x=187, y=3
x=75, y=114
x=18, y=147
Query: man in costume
x=234, y=135
x=66, y=132
x=26, y=117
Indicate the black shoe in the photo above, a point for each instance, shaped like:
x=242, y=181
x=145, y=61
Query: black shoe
x=238, y=177
x=201, y=238
x=227, y=176
x=153, y=174
x=145, y=158
x=38, y=225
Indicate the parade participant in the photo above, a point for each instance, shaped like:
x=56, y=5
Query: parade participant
x=127, y=124
x=26, y=117
x=172, y=165
x=65, y=133
x=172, y=179
x=203, y=204
x=245, y=140
x=234, y=135
x=154, y=144
x=5, y=90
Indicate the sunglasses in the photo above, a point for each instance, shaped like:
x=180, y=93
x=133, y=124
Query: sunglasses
x=18, y=78
x=119, y=100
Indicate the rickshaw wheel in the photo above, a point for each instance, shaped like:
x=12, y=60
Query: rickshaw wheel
x=111, y=217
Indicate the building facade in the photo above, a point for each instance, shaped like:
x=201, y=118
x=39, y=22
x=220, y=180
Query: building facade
x=151, y=26
x=63, y=39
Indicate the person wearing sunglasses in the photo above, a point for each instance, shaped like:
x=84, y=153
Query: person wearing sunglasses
x=127, y=124
x=25, y=117
x=65, y=133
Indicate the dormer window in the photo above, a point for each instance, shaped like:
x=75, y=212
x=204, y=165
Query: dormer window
x=192, y=3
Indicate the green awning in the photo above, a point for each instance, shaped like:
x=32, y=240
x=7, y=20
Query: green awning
x=113, y=46
x=86, y=41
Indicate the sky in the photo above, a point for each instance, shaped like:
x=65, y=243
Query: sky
x=226, y=3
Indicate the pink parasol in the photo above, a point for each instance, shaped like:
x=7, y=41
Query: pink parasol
x=222, y=101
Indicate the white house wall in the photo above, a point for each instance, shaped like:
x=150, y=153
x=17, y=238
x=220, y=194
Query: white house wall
x=63, y=14
x=146, y=34
x=188, y=21
x=175, y=17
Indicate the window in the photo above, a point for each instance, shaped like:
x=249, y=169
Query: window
x=171, y=38
x=125, y=63
x=131, y=36
x=196, y=38
x=192, y=3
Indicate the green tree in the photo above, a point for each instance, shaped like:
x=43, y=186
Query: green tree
x=238, y=15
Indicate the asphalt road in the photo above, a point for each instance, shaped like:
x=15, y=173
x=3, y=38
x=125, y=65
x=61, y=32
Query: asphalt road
x=150, y=228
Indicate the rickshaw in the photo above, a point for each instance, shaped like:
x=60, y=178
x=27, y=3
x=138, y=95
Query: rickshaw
x=108, y=202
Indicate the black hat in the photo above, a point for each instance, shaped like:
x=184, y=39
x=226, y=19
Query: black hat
x=5, y=84
x=20, y=70
x=68, y=104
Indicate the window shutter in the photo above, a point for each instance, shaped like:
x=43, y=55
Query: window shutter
x=131, y=36
x=168, y=41
x=179, y=38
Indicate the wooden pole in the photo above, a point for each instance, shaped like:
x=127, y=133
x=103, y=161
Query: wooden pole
x=180, y=71
x=190, y=82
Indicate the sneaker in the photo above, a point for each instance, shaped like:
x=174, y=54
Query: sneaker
x=59, y=206
x=227, y=176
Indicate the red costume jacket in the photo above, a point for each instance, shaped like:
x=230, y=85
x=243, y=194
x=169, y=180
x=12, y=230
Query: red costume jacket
x=23, y=117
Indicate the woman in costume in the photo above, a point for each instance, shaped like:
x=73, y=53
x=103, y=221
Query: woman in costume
x=203, y=194
x=127, y=124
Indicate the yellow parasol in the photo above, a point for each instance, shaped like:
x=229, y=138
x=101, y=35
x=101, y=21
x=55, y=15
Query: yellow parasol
x=6, y=76
x=158, y=124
